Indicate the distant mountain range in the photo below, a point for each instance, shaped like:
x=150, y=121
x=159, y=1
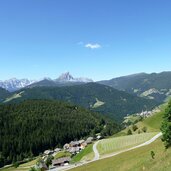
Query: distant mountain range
x=93, y=96
x=15, y=84
x=155, y=86
x=63, y=80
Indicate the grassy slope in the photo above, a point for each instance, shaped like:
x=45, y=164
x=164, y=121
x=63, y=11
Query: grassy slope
x=138, y=159
x=85, y=155
x=111, y=145
x=22, y=167
x=62, y=154
x=152, y=123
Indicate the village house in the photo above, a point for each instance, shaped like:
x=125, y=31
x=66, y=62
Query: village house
x=81, y=141
x=89, y=140
x=66, y=146
x=83, y=145
x=99, y=137
x=48, y=152
x=74, y=144
x=57, y=149
x=74, y=150
x=61, y=161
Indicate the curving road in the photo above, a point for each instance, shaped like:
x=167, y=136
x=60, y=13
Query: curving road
x=96, y=153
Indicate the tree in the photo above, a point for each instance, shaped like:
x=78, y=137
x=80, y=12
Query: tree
x=16, y=164
x=144, y=129
x=166, y=127
x=129, y=132
x=134, y=127
x=49, y=160
x=32, y=169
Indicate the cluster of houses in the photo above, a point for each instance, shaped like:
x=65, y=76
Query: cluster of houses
x=74, y=147
x=146, y=114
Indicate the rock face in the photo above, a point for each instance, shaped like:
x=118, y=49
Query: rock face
x=67, y=77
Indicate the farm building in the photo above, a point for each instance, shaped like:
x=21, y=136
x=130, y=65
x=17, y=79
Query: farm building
x=61, y=161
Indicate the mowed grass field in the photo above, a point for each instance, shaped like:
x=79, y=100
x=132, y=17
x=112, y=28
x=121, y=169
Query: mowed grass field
x=111, y=145
x=135, y=160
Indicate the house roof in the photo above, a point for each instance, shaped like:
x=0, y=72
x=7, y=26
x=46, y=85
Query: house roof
x=74, y=143
x=81, y=141
x=74, y=149
x=48, y=152
x=57, y=149
x=61, y=160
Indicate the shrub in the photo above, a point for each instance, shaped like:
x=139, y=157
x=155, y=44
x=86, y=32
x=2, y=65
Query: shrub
x=144, y=129
x=129, y=132
x=134, y=127
x=16, y=164
x=152, y=154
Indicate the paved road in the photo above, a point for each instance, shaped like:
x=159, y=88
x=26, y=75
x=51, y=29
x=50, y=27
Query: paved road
x=107, y=156
x=96, y=153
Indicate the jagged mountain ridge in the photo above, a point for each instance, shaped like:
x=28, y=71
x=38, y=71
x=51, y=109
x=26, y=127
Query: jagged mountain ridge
x=64, y=79
x=15, y=84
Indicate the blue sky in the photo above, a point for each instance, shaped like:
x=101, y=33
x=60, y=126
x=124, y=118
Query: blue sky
x=100, y=39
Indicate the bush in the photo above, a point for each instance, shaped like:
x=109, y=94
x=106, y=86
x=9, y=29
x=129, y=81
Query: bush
x=49, y=160
x=134, y=127
x=152, y=154
x=16, y=164
x=129, y=132
x=144, y=129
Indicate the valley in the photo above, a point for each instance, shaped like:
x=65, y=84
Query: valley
x=85, y=85
x=124, y=123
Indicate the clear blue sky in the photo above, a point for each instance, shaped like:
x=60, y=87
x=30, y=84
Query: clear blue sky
x=100, y=39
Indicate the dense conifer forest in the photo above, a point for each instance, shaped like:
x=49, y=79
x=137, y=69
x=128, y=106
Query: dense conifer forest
x=30, y=127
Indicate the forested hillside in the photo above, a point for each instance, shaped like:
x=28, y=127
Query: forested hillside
x=3, y=94
x=93, y=96
x=152, y=86
x=30, y=127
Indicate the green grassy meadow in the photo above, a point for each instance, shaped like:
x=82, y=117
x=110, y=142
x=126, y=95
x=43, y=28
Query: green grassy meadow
x=62, y=154
x=110, y=145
